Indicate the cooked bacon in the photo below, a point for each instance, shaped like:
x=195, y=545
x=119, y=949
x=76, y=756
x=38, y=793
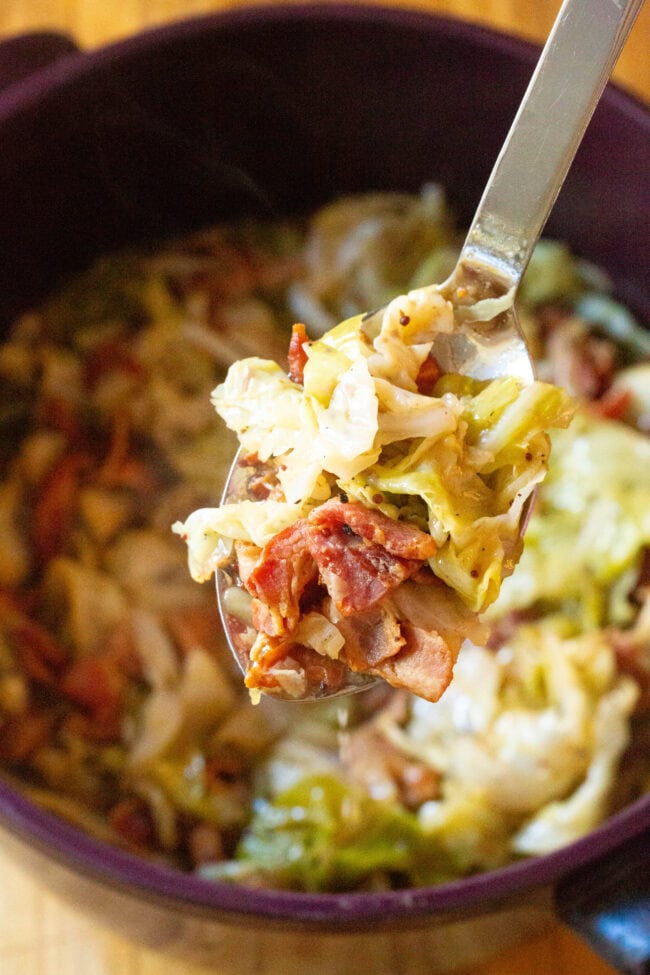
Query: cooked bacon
x=113, y=355
x=313, y=671
x=438, y=608
x=384, y=771
x=98, y=687
x=423, y=666
x=284, y=569
x=56, y=504
x=40, y=655
x=613, y=405
x=122, y=467
x=132, y=821
x=357, y=573
x=24, y=733
x=583, y=363
x=397, y=537
x=362, y=554
x=267, y=619
x=359, y=556
x=370, y=637
x=266, y=652
x=297, y=353
x=264, y=484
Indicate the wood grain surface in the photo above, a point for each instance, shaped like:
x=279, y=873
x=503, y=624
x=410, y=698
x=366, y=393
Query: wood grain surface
x=38, y=934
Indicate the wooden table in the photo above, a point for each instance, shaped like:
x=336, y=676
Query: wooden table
x=39, y=935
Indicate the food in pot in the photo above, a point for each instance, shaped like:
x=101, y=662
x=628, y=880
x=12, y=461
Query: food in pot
x=120, y=707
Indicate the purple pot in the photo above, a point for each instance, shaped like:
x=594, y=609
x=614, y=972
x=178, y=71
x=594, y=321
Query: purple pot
x=275, y=110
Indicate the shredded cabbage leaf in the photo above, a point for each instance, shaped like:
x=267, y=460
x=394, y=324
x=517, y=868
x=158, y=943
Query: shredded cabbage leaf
x=460, y=461
x=590, y=525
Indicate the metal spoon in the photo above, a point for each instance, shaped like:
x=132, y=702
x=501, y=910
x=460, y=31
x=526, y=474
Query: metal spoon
x=564, y=90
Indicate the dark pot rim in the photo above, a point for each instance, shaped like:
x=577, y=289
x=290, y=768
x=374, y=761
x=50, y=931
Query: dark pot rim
x=69, y=845
x=72, y=62
x=113, y=866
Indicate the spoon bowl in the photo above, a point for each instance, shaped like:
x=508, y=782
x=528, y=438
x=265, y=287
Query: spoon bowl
x=234, y=603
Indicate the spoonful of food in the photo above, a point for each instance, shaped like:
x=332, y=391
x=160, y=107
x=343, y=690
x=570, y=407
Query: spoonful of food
x=381, y=489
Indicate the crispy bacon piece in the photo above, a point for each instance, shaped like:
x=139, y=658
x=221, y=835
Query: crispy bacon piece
x=360, y=556
x=310, y=669
x=384, y=770
x=266, y=619
x=297, y=354
x=370, y=637
x=56, y=504
x=23, y=734
x=283, y=570
x=247, y=558
x=363, y=554
x=98, y=687
x=423, y=666
x=41, y=656
x=357, y=573
x=397, y=537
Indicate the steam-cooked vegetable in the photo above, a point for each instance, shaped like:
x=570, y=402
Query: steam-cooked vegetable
x=118, y=708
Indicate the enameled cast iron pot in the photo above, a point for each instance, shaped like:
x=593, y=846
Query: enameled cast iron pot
x=269, y=111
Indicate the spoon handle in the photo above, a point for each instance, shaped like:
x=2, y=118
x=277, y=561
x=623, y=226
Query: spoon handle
x=563, y=92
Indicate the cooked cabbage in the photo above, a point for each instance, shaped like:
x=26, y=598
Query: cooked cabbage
x=470, y=454
x=591, y=524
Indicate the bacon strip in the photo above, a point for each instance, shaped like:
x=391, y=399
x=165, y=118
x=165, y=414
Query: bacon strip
x=358, y=554
x=424, y=666
x=357, y=573
x=362, y=557
x=397, y=537
x=363, y=554
x=284, y=569
x=370, y=638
